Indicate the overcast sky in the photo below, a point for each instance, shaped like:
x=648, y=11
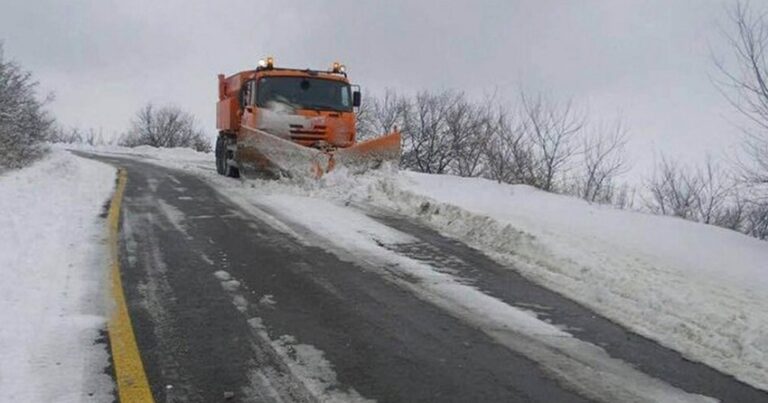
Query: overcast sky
x=648, y=61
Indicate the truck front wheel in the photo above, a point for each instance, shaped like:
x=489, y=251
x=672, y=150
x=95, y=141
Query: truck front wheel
x=231, y=168
x=221, y=155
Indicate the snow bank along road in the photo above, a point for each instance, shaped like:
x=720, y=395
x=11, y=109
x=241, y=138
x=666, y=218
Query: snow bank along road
x=291, y=299
x=53, y=303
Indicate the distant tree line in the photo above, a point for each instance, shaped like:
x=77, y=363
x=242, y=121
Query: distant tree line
x=165, y=126
x=552, y=146
x=557, y=147
x=76, y=135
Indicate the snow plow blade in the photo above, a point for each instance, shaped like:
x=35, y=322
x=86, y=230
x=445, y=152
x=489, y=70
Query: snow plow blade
x=263, y=153
x=370, y=154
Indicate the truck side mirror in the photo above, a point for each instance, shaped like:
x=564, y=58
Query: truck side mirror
x=356, y=98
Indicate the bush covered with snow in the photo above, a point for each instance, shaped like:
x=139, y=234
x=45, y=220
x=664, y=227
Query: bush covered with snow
x=165, y=127
x=24, y=124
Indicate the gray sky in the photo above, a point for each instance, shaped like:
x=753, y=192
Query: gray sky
x=648, y=61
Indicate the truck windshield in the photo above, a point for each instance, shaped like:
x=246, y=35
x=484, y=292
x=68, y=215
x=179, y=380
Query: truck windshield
x=304, y=93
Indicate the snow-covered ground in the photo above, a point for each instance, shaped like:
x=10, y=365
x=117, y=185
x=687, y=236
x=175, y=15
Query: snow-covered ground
x=695, y=288
x=53, y=268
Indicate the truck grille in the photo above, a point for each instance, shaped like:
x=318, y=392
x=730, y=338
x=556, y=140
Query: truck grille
x=298, y=132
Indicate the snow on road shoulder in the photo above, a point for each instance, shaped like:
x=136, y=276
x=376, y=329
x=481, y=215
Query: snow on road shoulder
x=53, y=267
x=698, y=289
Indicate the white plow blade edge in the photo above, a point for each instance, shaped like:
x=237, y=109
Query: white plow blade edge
x=284, y=155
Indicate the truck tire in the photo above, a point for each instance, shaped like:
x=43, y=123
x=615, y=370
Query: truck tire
x=230, y=162
x=221, y=153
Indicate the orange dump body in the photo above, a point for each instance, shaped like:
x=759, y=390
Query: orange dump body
x=294, y=138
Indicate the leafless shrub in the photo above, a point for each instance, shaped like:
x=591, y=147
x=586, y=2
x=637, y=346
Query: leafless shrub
x=553, y=130
x=471, y=126
x=76, y=135
x=755, y=221
x=167, y=126
x=363, y=121
x=673, y=190
x=509, y=152
x=60, y=134
x=716, y=201
x=24, y=124
x=446, y=132
x=443, y=132
x=708, y=195
x=377, y=116
x=602, y=160
x=94, y=137
x=624, y=197
x=535, y=144
x=429, y=145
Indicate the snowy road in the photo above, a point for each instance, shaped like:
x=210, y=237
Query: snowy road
x=225, y=303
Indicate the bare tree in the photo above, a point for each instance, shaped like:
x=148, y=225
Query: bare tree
x=363, y=121
x=471, y=126
x=166, y=126
x=76, y=135
x=553, y=129
x=603, y=160
x=708, y=195
x=756, y=220
x=60, y=134
x=498, y=151
x=428, y=145
x=673, y=189
x=534, y=144
x=733, y=214
x=24, y=124
x=443, y=132
x=94, y=137
x=744, y=83
x=745, y=86
x=715, y=199
x=509, y=152
x=624, y=196
x=377, y=116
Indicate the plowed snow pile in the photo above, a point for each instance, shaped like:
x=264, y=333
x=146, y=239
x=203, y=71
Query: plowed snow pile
x=698, y=289
x=53, y=270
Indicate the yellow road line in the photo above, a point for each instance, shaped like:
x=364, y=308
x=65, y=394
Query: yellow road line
x=132, y=384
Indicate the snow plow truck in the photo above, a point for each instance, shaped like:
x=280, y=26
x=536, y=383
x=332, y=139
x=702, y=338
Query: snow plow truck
x=291, y=122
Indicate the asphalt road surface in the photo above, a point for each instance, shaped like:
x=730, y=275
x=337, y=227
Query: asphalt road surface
x=227, y=308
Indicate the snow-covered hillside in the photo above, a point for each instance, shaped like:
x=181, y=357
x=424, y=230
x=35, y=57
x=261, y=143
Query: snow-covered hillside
x=695, y=288
x=52, y=292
